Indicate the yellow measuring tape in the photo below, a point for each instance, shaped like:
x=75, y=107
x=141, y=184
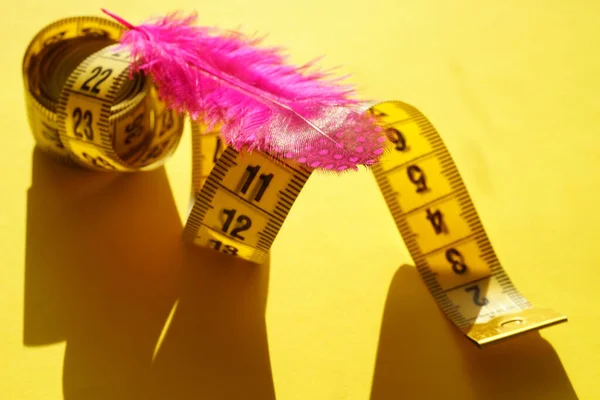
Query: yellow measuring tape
x=84, y=109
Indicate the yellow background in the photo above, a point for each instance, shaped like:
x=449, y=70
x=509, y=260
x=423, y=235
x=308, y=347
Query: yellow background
x=92, y=265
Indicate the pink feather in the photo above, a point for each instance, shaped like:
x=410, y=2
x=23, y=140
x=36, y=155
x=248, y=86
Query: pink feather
x=260, y=102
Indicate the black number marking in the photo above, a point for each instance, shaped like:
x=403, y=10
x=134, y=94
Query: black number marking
x=98, y=161
x=167, y=122
x=55, y=39
x=457, y=260
x=396, y=137
x=230, y=250
x=252, y=171
x=134, y=129
x=377, y=113
x=119, y=55
x=98, y=71
x=80, y=116
x=95, y=32
x=417, y=176
x=265, y=179
x=243, y=220
x=477, y=299
x=218, y=149
x=156, y=151
x=437, y=221
x=227, y=249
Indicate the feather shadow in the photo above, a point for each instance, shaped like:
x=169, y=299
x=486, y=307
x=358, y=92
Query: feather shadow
x=421, y=355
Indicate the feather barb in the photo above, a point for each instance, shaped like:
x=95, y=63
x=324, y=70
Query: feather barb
x=260, y=102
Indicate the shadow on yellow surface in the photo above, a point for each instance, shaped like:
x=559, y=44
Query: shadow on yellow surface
x=421, y=355
x=216, y=346
x=105, y=265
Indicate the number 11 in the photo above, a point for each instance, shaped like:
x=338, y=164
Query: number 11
x=264, y=178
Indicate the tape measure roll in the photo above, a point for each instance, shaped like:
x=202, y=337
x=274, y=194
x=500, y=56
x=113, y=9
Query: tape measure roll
x=84, y=109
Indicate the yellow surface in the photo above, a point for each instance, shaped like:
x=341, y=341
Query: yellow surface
x=92, y=265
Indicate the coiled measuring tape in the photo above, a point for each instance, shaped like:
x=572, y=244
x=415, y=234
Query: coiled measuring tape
x=85, y=109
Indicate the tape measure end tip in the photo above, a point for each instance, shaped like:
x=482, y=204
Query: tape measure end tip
x=503, y=327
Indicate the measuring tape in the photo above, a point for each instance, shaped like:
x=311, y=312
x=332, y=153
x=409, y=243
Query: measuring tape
x=85, y=109
x=82, y=106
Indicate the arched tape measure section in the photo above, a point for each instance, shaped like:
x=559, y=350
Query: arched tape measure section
x=443, y=233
